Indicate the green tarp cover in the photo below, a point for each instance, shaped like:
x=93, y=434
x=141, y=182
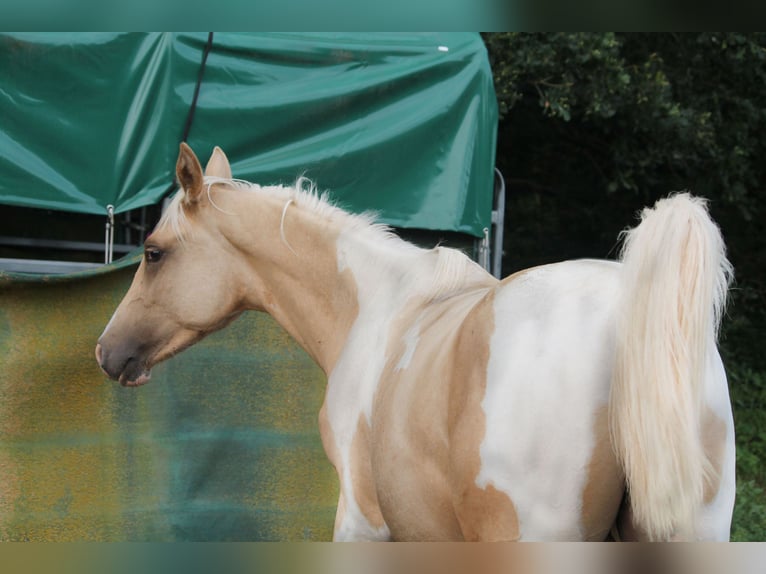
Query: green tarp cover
x=402, y=124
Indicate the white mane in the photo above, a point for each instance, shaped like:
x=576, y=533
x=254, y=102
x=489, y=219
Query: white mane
x=452, y=271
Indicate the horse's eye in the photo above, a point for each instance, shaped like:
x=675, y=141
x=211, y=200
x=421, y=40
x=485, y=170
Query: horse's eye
x=152, y=254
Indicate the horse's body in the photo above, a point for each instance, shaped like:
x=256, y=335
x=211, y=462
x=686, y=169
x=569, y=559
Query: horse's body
x=459, y=406
x=475, y=420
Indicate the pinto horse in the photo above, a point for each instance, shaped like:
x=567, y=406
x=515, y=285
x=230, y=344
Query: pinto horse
x=574, y=401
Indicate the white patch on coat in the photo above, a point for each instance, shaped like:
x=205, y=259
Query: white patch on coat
x=354, y=380
x=411, y=338
x=355, y=527
x=549, y=371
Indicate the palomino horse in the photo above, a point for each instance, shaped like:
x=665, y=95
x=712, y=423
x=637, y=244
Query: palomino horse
x=565, y=402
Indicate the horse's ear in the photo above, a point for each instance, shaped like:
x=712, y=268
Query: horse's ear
x=218, y=164
x=189, y=173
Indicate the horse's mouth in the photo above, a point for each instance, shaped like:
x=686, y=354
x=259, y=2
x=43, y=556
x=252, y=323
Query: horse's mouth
x=127, y=380
x=134, y=373
x=131, y=373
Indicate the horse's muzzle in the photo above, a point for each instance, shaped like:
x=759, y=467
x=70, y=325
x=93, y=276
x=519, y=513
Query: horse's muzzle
x=129, y=371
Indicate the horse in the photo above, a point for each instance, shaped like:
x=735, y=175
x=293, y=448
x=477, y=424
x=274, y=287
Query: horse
x=581, y=400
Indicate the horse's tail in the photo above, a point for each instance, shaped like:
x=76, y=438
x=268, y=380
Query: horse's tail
x=675, y=279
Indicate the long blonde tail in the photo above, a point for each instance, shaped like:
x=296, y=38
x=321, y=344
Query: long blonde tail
x=675, y=278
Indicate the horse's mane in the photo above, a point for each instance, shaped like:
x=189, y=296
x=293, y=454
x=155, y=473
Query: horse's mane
x=452, y=272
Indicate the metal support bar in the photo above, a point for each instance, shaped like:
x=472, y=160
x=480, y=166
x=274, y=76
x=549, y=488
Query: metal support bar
x=489, y=253
x=484, y=250
x=498, y=220
x=109, y=238
x=42, y=266
x=131, y=224
x=63, y=245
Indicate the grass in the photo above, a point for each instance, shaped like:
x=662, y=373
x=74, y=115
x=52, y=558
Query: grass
x=745, y=360
x=748, y=394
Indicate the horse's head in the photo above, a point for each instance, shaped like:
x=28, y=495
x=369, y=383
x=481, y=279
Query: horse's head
x=185, y=286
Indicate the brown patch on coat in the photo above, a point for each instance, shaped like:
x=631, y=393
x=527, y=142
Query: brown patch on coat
x=410, y=443
x=345, y=310
x=605, y=485
x=408, y=447
x=487, y=515
x=484, y=514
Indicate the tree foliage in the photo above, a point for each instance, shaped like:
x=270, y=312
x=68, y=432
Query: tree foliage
x=643, y=110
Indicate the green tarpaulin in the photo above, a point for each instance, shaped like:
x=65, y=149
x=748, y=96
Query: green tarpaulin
x=401, y=124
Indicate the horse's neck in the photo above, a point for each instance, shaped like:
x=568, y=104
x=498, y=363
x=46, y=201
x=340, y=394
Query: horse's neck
x=327, y=280
x=312, y=273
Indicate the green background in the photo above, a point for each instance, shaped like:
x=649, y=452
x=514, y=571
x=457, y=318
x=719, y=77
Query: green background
x=221, y=444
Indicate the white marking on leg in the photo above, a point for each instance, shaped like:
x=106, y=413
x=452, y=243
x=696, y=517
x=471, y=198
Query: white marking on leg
x=355, y=527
